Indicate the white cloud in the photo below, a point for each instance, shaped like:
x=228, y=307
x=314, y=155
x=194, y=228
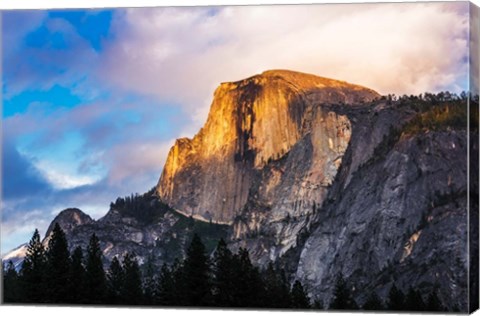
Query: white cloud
x=64, y=179
x=135, y=161
x=182, y=54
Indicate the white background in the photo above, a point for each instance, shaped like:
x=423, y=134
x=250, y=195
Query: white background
x=29, y=4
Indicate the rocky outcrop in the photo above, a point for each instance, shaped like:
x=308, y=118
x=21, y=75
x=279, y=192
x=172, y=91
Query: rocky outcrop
x=155, y=233
x=68, y=219
x=251, y=123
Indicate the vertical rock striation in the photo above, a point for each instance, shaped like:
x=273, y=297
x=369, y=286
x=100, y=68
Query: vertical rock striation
x=253, y=123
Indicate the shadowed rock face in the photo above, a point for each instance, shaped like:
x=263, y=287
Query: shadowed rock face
x=403, y=216
x=253, y=123
x=396, y=212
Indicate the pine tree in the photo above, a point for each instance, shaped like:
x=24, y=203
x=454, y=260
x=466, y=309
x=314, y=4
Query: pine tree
x=166, y=288
x=11, y=286
x=373, y=303
x=277, y=292
x=179, y=283
x=58, y=267
x=433, y=303
x=95, y=283
x=197, y=274
x=249, y=290
x=299, y=298
x=149, y=280
x=223, y=276
x=342, y=297
x=132, y=288
x=76, y=289
x=414, y=301
x=396, y=299
x=115, y=282
x=32, y=273
x=318, y=304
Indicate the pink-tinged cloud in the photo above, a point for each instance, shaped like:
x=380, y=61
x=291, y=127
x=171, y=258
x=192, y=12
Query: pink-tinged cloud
x=474, y=49
x=182, y=54
x=130, y=159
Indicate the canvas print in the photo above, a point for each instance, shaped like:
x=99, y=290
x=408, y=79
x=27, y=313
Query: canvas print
x=296, y=157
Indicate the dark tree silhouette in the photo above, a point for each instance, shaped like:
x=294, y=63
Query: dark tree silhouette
x=197, y=274
x=318, y=304
x=223, y=276
x=434, y=303
x=396, y=299
x=342, y=297
x=277, y=292
x=166, y=288
x=149, y=280
x=132, y=288
x=32, y=273
x=58, y=267
x=95, y=283
x=249, y=289
x=299, y=298
x=373, y=303
x=414, y=301
x=11, y=286
x=115, y=282
x=76, y=285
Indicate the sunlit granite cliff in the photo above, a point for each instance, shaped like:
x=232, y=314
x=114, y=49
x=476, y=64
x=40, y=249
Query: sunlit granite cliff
x=252, y=124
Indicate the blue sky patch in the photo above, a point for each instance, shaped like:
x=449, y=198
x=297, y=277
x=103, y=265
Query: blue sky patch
x=44, y=38
x=58, y=95
x=92, y=25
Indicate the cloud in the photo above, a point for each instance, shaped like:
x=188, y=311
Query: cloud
x=130, y=160
x=474, y=49
x=61, y=180
x=43, y=52
x=20, y=178
x=182, y=54
x=13, y=32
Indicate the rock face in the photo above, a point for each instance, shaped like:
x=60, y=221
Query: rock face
x=402, y=214
x=253, y=123
x=69, y=219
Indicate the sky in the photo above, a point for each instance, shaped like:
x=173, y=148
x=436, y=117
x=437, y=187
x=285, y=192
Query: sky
x=94, y=99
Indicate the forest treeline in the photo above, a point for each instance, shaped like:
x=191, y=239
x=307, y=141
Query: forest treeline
x=53, y=275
